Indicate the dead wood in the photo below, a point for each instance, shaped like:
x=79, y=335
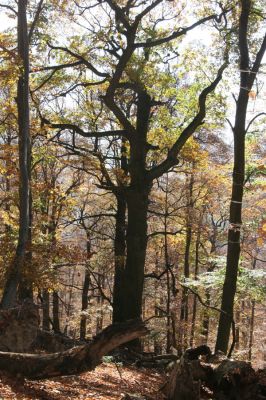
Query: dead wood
x=75, y=360
x=52, y=342
x=226, y=379
x=188, y=373
x=19, y=327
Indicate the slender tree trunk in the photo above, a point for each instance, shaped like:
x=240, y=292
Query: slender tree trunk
x=206, y=318
x=85, y=292
x=84, y=304
x=167, y=266
x=251, y=330
x=56, y=319
x=184, y=300
x=68, y=304
x=235, y=221
x=237, y=329
x=99, y=319
x=11, y=287
x=244, y=323
x=252, y=319
x=7, y=179
x=158, y=302
x=196, y=272
x=46, y=310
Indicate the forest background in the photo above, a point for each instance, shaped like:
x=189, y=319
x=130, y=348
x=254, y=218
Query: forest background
x=89, y=94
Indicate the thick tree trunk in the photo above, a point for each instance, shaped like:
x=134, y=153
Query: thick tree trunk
x=136, y=196
x=120, y=256
x=25, y=289
x=75, y=360
x=137, y=203
x=11, y=287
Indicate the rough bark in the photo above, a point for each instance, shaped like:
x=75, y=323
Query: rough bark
x=137, y=196
x=136, y=239
x=11, y=287
x=120, y=256
x=72, y=361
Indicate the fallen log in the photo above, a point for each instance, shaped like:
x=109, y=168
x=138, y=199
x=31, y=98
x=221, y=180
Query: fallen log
x=75, y=360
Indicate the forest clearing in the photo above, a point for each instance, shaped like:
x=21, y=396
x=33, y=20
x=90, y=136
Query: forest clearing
x=132, y=199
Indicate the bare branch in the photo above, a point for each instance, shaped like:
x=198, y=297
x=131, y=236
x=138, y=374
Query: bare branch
x=147, y=10
x=77, y=129
x=57, y=67
x=176, y=34
x=35, y=19
x=82, y=59
x=9, y=8
x=164, y=233
x=253, y=119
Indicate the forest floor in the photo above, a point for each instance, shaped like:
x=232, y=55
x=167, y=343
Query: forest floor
x=108, y=381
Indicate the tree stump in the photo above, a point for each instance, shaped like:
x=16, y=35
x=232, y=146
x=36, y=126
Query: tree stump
x=186, y=377
x=19, y=328
x=225, y=379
